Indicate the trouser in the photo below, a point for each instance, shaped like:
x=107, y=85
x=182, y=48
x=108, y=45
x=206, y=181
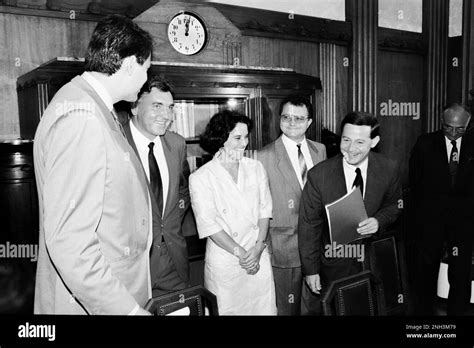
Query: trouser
x=458, y=239
x=166, y=278
x=292, y=296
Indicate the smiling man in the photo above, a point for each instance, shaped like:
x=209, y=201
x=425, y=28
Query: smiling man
x=163, y=156
x=357, y=166
x=287, y=161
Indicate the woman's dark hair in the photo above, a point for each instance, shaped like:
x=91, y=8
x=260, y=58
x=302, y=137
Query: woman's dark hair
x=358, y=118
x=114, y=38
x=218, y=129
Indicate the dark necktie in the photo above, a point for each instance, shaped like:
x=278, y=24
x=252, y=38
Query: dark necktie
x=359, y=182
x=453, y=161
x=302, y=162
x=155, y=178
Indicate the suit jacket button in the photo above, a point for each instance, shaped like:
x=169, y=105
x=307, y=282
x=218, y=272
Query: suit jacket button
x=127, y=251
x=72, y=299
x=255, y=227
x=224, y=211
x=235, y=234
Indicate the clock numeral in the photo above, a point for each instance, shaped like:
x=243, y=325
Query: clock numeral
x=175, y=39
x=186, y=48
x=179, y=22
x=175, y=27
x=197, y=41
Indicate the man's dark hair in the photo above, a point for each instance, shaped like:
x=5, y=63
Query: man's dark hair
x=298, y=100
x=114, y=38
x=154, y=81
x=219, y=127
x=358, y=118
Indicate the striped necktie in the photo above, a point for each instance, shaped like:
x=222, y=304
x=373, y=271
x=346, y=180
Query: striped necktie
x=302, y=162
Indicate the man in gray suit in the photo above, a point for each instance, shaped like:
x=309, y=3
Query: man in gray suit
x=286, y=161
x=163, y=156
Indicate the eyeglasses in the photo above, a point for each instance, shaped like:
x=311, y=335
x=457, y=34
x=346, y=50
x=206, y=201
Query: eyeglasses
x=451, y=128
x=296, y=119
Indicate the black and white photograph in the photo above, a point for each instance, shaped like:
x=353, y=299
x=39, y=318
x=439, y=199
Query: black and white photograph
x=299, y=170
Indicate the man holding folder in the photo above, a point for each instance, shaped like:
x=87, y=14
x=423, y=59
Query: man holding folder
x=377, y=178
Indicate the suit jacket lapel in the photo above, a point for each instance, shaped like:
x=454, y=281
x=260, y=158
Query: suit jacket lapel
x=338, y=180
x=128, y=134
x=108, y=117
x=313, y=150
x=285, y=167
x=372, y=185
x=173, y=173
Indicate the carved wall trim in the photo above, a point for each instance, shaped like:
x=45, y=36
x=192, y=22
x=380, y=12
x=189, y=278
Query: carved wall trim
x=435, y=29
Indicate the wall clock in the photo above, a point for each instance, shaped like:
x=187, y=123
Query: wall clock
x=187, y=33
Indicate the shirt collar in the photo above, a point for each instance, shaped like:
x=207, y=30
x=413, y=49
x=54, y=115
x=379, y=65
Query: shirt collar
x=363, y=166
x=99, y=89
x=290, y=142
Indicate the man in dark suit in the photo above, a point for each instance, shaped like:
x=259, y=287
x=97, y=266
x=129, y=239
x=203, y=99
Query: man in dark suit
x=441, y=170
x=373, y=173
x=163, y=156
x=286, y=162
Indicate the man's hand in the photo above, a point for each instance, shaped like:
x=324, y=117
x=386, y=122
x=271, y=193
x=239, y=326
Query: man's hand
x=314, y=283
x=368, y=226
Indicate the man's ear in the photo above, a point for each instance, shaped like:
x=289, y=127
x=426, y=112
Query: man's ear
x=374, y=142
x=134, y=109
x=128, y=64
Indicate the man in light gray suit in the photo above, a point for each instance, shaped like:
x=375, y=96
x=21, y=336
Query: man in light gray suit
x=287, y=161
x=95, y=231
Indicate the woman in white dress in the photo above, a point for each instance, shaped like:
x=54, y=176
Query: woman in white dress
x=231, y=200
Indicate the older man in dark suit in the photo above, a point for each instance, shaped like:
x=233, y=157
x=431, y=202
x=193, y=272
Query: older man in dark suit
x=441, y=175
x=373, y=173
x=163, y=156
x=287, y=161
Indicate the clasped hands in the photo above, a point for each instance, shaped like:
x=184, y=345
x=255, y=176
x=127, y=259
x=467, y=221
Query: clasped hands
x=250, y=260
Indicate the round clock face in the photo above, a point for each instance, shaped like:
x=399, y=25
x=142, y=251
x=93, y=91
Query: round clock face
x=187, y=33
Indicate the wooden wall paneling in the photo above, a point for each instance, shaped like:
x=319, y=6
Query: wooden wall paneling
x=435, y=31
x=468, y=52
x=334, y=74
x=303, y=57
x=400, y=81
x=272, y=24
x=363, y=15
x=28, y=42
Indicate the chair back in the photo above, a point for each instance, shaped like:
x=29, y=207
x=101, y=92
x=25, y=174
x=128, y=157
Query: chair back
x=196, y=300
x=359, y=294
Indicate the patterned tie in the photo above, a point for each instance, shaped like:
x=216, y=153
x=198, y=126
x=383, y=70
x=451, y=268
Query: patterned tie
x=453, y=161
x=302, y=162
x=358, y=181
x=155, y=178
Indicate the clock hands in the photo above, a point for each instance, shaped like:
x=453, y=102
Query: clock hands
x=186, y=28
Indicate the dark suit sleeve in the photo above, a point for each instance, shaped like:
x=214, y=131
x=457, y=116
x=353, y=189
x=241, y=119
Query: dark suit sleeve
x=184, y=200
x=415, y=168
x=389, y=209
x=310, y=226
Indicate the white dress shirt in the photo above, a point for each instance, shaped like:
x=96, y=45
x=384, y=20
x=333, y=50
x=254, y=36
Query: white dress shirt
x=350, y=173
x=449, y=147
x=292, y=151
x=141, y=143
